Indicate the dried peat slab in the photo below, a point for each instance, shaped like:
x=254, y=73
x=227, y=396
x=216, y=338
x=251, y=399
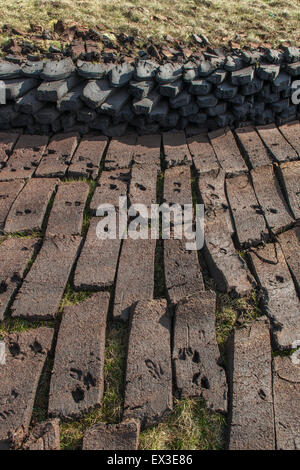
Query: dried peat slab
x=111, y=185
x=87, y=158
x=177, y=186
x=25, y=158
x=25, y=353
x=251, y=400
x=177, y=190
x=195, y=351
x=271, y=199
x=291, y=132
x=43, y=436
x=135, y=278
x=226, y=266
x=203, y=154
x=103, y=436
x=15, y=254
x=58, y=155
x=7, y=143
x=253, y=147
x=98, y=259
x=211, y=189
x=286, y=389
x=66, y=215
x=182, y=270
x=290, y=245
x=43, y=288
x=247, y=214
x=120, y=152
x=8, y=193
x=290, y=175
x=77, y=381
x=176, y=151
x=148, y=389
x=147, y=149
x=276, y=144
x=29, y=209
x=227, y=152
x=279, y=297
x=142, y=188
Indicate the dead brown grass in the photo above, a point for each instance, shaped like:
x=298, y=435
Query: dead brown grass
x=242, y=21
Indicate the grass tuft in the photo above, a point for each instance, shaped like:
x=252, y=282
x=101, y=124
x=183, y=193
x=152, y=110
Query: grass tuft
x=18, y=325
x=190, y=427
x=72, y=297
x=232, y=310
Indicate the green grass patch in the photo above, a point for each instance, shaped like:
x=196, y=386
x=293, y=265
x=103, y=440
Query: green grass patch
x=87, y=213
x=231, y=310
x=284, y=352
x=18, y=325
x=72, y=297
x=33, y=234
x=190, y=427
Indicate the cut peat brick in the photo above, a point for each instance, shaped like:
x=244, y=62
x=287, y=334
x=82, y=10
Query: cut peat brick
x=87, y=158
x=182, y=271
x=176, y=151
x=290, y=175
x=253, y=147
x=29, y=209
x=147, y=149
x=203, y=154
x=290, y=244
x=286, y=385
x=142, y=188
x=177, y=185
x=25, y=158
x=77, y=381
x=66, y=215
x=97, y=263
x=177, y=190
x=227, y=152
x=279, y=298
x=246, y=212
x=43, y=436
x=120, y=152
x=15, y=254
x=148, y=390
x=195, y=351
x=43, y=288
x=291, y=131
x=277, y=145
x=211, y=189
x=58, y=155
x=26, y=354
x=7, y=143
x=135, y=278
x=250, y=372
x=111, y=185
x=271, y=199
x=8, y=193
x=103, y=436
x=226, y=266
